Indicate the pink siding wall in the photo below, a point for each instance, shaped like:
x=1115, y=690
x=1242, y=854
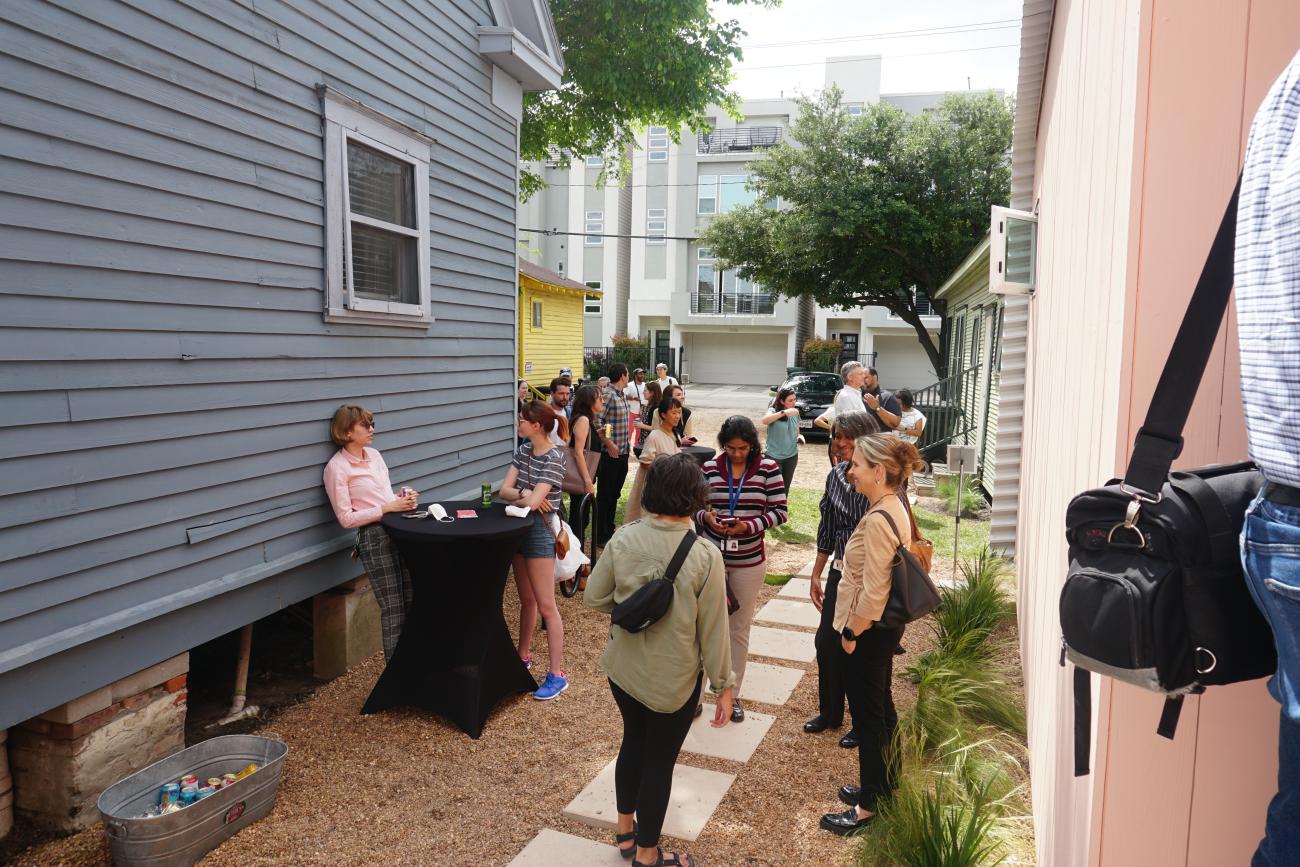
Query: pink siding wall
x=1199, y=68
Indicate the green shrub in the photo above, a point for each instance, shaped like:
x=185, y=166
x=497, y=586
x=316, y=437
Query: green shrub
x=822, y=354
x=632, y=351
x=972, y=501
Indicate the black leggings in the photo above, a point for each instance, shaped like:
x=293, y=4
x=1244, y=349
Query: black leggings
x=787, y=466
x=643, y=775
x=830, y=658
x=868, y=677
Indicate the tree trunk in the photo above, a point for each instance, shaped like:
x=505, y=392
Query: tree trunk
x=927, y=342
x=805, y=321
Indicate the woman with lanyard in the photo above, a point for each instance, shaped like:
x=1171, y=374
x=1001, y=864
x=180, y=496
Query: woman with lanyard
x=746, y=498
x=783, y=437
x=660, y=442
x=842, y=508
x=534, y=480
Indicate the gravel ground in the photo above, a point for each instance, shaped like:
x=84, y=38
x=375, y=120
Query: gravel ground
x=406, y=787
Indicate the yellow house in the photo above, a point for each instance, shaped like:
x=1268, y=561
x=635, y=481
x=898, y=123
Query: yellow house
x=550, y=323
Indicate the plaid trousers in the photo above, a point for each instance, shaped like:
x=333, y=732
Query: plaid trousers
x=389, y=580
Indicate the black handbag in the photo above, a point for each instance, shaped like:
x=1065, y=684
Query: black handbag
x=1155, y=595
x=912, y=594
x=651, y=601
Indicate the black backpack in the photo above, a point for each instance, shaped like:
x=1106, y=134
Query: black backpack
x=1155, y=594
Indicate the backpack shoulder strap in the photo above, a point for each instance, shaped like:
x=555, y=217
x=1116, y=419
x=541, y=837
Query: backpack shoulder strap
x=890, y=519
x=1160, y=439
x=679, y=556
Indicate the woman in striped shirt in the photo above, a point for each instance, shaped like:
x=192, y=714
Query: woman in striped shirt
x=746, y=498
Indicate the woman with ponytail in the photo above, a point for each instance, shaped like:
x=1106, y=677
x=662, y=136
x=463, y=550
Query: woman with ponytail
x=534, y=481
x=881, y=466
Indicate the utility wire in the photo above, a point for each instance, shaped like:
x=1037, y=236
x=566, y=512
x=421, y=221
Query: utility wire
x=603, y=235
x=743, y=68
x=972, y=27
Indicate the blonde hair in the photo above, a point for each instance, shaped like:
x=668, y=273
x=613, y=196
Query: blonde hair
x=899, y=457
x=345, y=419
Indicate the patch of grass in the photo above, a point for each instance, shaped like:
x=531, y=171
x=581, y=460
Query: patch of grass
x=777, y=580
x=938, y=528
x=970, y=497
x=801, y=529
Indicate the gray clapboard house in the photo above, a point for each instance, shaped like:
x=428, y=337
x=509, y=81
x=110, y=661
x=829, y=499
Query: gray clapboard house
x=220, y=220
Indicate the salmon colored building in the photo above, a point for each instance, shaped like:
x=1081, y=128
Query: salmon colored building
x=1132, y=121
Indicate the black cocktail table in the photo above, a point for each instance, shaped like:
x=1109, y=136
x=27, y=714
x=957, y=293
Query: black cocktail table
x=700, y=453
x=455, y=655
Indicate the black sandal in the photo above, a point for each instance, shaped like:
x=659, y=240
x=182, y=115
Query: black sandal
x=675, y=861
x=620, y=839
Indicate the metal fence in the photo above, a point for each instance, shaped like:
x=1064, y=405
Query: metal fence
x=596, y=360
x=830, y=361
x=732, y=304
x=950, y=411
x=741, y=139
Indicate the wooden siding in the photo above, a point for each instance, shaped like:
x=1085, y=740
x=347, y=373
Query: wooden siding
x=168, y=377
x=559, y=342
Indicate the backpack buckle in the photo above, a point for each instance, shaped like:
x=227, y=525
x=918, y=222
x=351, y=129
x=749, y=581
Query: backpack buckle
x=1129, y=523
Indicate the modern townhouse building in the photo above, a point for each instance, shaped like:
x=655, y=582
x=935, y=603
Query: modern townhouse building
x=635, y=243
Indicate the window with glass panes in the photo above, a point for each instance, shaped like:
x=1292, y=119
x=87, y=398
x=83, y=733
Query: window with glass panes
x=657, y=144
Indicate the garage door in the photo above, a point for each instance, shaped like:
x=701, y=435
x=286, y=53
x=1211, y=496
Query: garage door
x=736, y=359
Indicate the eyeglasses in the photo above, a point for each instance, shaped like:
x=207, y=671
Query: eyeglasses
x=369, y=424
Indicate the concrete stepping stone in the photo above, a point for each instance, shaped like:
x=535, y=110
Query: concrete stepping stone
x=696, y=794
x=768, y=684
x=555, y=849
x=790, y=613
x=797, y=588
x=735, y=742
x=781, y=644
x=806, y=571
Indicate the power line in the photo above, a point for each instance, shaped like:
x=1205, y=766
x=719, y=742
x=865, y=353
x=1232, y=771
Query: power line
x=743, y=68
x=972, y=27
x=605, y=235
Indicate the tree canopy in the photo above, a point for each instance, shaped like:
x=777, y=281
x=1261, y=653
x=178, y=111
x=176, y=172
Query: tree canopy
x=872, y=207
x=630, y=64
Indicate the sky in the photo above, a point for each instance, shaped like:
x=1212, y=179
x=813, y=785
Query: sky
x=939, y=58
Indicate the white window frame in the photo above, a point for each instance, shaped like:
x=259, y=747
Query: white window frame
x=348, y=120
x=594, y=222
x=705, y=254
x=595, y=162
x=656, y=226
x=588, y=301
x=730, y=180
x=657, y=144
x=537, y=315
x=701, y=186
x=1001, y=221
x=853, y=109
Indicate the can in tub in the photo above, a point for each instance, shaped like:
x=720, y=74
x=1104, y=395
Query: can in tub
x=228, y=779
x=169, y=795
x=206, y=791
x=189, y=780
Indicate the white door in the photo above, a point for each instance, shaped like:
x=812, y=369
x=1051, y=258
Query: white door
x=736, y=359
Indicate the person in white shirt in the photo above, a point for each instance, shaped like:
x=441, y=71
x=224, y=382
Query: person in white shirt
x=661, y=371
x=635, y=394
x=912, y=421
x=848, y=398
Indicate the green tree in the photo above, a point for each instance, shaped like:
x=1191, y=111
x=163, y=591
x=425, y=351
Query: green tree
x=630, y=64
x=872, y=207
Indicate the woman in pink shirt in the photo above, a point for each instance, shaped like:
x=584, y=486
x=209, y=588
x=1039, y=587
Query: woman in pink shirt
x=356, y=480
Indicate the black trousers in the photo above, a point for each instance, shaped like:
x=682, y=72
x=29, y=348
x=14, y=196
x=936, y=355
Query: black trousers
x=830, y=658
x=787, y=466
x=868, y=679
x=610, y=476
x=643, y=774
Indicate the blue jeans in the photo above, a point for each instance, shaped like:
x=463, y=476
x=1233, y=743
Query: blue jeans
x=1271, y=556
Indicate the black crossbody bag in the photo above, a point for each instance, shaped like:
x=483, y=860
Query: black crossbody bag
x=1155, y=594
x=651, y=601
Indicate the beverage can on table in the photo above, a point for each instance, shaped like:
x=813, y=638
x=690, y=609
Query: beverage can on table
x=485, y=499
x=169, y=795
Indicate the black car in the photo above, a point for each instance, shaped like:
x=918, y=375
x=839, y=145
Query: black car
x=813, y=393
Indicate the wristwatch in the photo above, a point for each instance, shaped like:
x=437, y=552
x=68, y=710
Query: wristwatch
x=847, y=634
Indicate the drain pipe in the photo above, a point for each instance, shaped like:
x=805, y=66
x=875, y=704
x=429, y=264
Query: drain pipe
x=238, y=707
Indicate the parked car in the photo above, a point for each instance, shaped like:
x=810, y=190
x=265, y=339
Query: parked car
x=813, y=393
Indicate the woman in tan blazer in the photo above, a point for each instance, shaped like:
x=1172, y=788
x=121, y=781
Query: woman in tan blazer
x=882, y=464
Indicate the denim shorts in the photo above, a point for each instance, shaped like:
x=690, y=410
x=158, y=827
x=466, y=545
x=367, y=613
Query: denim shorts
x=540, y=542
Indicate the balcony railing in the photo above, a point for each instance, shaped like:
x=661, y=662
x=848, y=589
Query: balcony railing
x=738, y=140
x=732, y=304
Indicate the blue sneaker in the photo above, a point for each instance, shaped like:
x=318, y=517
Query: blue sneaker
x=551, y=687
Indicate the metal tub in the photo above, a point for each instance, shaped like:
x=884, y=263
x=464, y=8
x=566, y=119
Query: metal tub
x=184, y=836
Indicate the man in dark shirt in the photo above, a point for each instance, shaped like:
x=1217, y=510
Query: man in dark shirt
x=881, y=403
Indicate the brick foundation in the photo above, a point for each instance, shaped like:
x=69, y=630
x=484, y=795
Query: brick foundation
x=62, y=760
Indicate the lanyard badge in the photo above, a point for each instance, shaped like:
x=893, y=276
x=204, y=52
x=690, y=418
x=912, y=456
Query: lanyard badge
x=733, y=499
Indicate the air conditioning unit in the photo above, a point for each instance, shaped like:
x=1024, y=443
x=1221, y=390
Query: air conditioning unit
x=1013, y=251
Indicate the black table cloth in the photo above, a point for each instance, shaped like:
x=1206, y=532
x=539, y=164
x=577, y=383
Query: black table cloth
x=700, y=453
x=455, y=655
